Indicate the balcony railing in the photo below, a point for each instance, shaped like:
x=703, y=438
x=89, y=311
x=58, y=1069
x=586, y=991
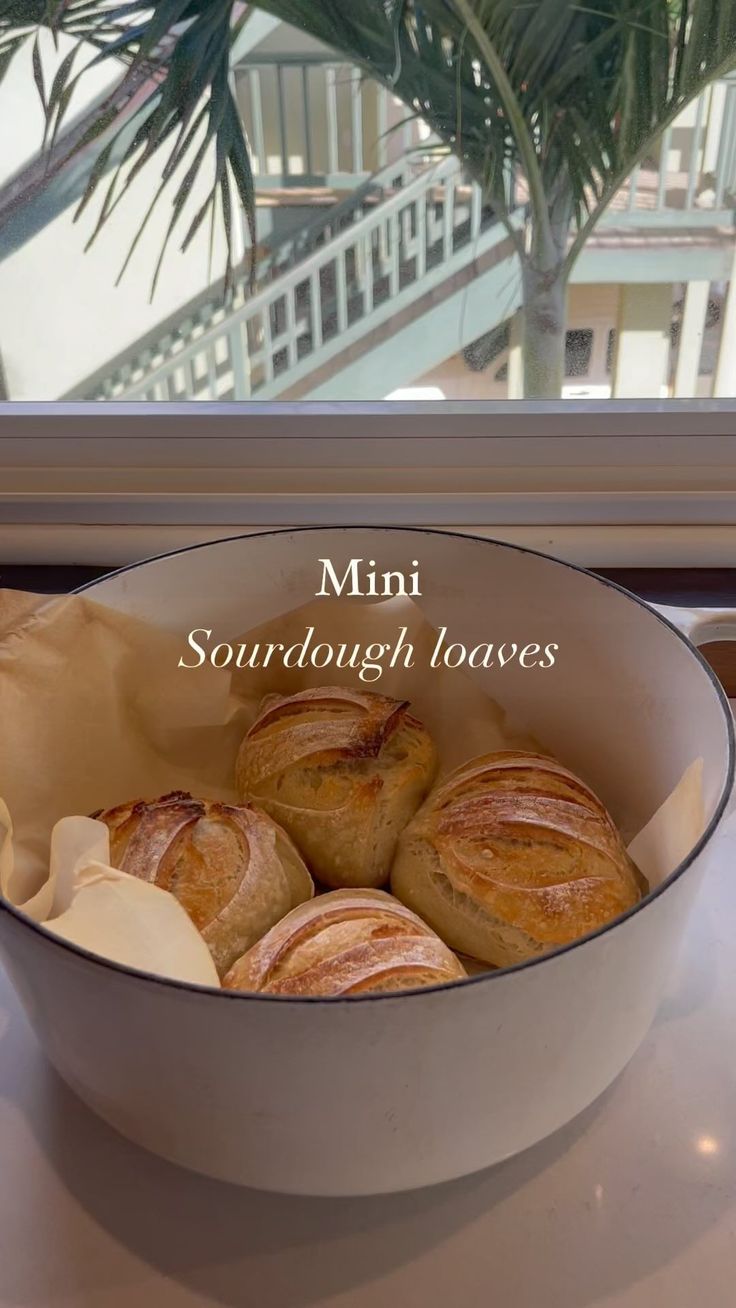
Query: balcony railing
x=695, y=168
x=410, y=240
x=380, y=253
x=314, y=120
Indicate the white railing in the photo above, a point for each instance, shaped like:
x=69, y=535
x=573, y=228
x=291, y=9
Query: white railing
x=325, y=290
x=316, y=120
x=209, y=312
x=350, y=281
x=695, y=168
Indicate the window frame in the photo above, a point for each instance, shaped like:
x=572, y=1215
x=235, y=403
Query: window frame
x=622, y=483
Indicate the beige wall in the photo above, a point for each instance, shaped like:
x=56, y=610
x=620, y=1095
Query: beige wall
x=61, y=315
x=593, y=307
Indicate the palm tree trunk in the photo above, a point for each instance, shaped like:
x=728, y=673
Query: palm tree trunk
x=544, y=318
x=544, y=307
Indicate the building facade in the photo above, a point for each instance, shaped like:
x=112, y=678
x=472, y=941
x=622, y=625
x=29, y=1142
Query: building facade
x=380, y=271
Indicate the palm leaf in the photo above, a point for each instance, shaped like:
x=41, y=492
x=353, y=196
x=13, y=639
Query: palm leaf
x=183, y=48
x=571, y=95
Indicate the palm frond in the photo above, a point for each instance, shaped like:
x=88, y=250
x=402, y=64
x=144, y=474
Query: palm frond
x=570, y=94
x=178, y=53
x=585, y=87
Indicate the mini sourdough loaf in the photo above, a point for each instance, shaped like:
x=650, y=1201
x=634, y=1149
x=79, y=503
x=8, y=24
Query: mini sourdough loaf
x=343, y=771
x=347, y=942
x=233, y=869
x=512, y=856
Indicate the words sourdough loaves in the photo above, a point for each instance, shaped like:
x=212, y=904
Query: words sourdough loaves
x=512, y=856
x=343, y=771
x=233, y=869
x=347, y=942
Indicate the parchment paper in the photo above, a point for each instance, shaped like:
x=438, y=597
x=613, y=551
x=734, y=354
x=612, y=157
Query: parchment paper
x=94, y=711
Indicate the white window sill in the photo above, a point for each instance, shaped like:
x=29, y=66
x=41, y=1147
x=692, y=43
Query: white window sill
x=623, y=484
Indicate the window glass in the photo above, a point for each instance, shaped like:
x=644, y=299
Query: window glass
x=402, y=200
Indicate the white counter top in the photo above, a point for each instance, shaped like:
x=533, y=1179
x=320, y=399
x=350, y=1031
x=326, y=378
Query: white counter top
x=631, y=1206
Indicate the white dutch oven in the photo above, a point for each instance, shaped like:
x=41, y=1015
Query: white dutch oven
x=330, y=1096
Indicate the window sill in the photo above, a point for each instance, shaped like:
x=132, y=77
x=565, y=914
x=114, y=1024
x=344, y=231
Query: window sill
x=624, y=484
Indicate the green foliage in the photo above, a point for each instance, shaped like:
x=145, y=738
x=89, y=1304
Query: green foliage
x=568, y=95
x=180, y=51
x=572, y=95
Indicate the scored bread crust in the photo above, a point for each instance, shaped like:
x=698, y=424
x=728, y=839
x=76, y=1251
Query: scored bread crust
x=513, y=855
x=342, y=771
x=346, y=942
x=230, y=866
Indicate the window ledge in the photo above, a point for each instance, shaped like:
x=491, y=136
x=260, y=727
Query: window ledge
x=623, y=484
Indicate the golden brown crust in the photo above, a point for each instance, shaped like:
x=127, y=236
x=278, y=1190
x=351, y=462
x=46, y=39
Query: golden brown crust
x=343, y=771
x=513, y=855
x=230, y=866
x=347, y=942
